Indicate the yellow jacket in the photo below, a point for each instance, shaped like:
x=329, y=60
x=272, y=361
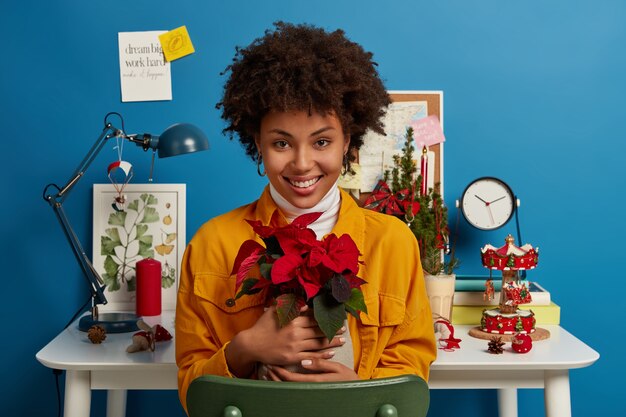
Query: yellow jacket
x=394, y=338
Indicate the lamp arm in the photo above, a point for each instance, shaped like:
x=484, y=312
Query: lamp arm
x=95, y=280
x=56, y=202
x=108, y=132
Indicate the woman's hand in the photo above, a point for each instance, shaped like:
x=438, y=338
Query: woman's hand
x=324, y=371
x=267, y=342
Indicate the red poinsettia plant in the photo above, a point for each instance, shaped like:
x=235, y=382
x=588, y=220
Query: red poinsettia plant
x=297, y=269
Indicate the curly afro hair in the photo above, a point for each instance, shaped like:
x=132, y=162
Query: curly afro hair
x=302, y=67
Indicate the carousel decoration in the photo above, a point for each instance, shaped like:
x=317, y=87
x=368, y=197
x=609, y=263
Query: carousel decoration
x=508, y=320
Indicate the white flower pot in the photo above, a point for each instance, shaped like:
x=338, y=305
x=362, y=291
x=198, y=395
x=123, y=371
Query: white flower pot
x=440, y=290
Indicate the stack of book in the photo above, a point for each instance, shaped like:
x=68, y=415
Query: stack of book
x=469, y=301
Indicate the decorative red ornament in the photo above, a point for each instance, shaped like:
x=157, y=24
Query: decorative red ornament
x=522, y=343
x=450, y=343
x=383, y=200
x=509, y=256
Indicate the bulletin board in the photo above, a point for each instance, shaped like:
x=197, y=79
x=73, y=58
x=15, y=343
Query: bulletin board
x=398, y=118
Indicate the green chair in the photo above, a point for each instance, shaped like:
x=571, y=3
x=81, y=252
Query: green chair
x=215, y=396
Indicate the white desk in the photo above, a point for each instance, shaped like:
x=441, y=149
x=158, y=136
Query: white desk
x=107, y=366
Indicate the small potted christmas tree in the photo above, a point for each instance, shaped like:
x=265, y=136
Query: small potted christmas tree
x=427, y=217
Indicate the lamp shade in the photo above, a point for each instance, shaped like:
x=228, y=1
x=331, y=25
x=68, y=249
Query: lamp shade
x=181, y=138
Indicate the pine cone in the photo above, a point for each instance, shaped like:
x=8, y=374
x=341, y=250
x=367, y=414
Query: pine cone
x=496, y=345
x=96, y=334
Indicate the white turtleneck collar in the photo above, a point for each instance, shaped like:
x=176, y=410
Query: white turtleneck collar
x=329, y=205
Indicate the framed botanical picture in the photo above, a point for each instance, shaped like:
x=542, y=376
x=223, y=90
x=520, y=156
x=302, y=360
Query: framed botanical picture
x=149, y=223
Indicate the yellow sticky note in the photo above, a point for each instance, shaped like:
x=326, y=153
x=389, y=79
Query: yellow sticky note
x=176, y=43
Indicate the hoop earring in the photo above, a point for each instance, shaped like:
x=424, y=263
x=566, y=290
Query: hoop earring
x=259, y=161
x=346, y=165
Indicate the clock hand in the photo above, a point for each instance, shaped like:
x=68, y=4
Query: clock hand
x=497, y=199
x=490, y=214
x=481, y=199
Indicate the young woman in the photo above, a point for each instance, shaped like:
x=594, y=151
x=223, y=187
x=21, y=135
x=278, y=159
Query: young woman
x=300, y=99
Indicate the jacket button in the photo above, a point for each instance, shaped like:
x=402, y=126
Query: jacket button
x=230, y=302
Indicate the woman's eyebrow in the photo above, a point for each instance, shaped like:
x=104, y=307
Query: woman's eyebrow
x=317, y=132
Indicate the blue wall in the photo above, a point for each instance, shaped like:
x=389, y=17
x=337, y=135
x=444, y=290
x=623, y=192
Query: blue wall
x=534, y=94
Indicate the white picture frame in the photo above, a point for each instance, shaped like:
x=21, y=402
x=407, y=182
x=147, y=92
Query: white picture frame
x=151, y=225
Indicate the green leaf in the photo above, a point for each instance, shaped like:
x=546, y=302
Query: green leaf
x=133, y=205
x=114, y=234
x=107, y=246
x=150, y=199
x=329, y=314
x=150, y=215
x=288, y=308
x=145, y=251
x=246, y=287
x=266, y=270
x=111, y=282
x=111, y=267
x=141, y=230
x=131, y=284
x=356, y=303
x=167, y=281
x=168, y=278
x=117, y=219
x=340, y=288
x=145, y=239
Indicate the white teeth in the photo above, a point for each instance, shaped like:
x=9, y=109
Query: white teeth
x=303, y=184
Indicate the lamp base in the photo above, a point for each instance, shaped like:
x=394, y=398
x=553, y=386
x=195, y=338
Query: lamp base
x=111, y=322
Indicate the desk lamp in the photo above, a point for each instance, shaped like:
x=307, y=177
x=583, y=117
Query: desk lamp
x=177, y=139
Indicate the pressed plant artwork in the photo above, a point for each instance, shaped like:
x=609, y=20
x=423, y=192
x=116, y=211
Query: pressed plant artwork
x=149, y=225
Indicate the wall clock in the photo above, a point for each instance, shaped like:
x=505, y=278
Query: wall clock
x=488, y=203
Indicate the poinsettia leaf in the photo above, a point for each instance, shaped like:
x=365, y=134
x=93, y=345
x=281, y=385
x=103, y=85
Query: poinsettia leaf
x=354, y=281
x=343, y=254
x=246, y=249
x=273, y=247
x=266, y=270
x=247, y=264
x=329, y=314
x=297, y=241
x=284, y=269
x=247, y=288
x=260, y=229
x=306, y=219
x=340, y=288
x=356, y=303
x=288, y=307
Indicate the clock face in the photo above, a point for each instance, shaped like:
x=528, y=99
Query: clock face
x=487, y=203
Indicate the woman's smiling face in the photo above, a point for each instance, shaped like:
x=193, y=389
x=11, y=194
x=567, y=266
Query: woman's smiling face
x=302, y=154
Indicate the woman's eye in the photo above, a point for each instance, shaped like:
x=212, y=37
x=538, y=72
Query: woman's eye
x=281, y=144
x=323, y=143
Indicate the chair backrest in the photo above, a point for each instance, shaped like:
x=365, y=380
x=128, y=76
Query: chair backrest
x=215, y=396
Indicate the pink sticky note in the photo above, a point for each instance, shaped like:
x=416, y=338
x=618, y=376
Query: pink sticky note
x=427, y=131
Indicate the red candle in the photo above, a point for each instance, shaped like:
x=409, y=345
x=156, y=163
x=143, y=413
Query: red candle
x=148, y=287
x=424, y=170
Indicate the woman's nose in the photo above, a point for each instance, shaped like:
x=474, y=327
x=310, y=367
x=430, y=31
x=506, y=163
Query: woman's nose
x=303, y=160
